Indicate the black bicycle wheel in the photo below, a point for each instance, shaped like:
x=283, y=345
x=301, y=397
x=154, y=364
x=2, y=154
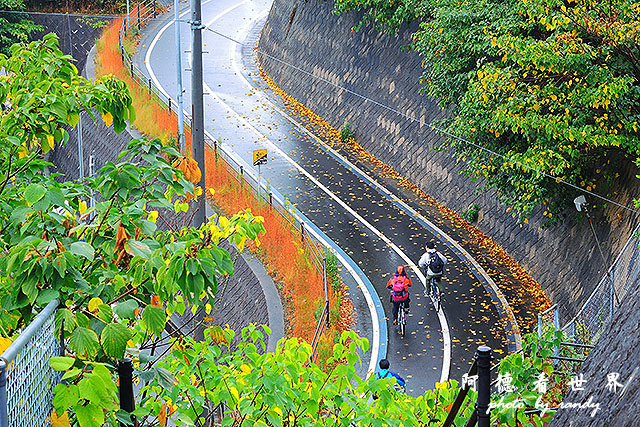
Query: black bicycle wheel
x=436, y=302
x=435, y=295
x=402, y=321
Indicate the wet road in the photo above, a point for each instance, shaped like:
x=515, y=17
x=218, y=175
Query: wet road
x=375, y=232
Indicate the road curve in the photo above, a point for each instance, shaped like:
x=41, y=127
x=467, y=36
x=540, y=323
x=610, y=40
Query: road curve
x=376, y=229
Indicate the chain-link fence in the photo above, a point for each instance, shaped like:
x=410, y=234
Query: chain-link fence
x=587, y=326
x=26, y=379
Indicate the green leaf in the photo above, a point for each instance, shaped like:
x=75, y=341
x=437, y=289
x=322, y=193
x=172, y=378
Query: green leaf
x=105, y=313
x=59, y=109
x=124, y=417
x=46, y=296
x=82, y=320
x=33, y=193
x=65, y=396
x=20, y=213
x=125, y=310
x=93, y=389
x=82, y=249
x=74, y=118
x=90, y=415
x=72, y=374
x=136, y=248
x=188, y=421
x=64, y=315
x=42, y=204
x=56, y=196
x=114, y=339
x=84, y=342
x=61, y=363
x=29, y=289
x=154, y=318
x=166, y=378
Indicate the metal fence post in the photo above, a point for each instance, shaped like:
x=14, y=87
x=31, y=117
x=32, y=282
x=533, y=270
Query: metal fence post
x=125, y=374
x=4, y=418
x=484, y=386
x=556, y=325
x=612, y=297
x=326, y=288
x=539, y=325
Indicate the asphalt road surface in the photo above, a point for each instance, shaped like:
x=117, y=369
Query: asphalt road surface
x=376, y=231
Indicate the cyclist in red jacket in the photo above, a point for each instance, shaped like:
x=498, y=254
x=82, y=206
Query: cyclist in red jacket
x=399, y=285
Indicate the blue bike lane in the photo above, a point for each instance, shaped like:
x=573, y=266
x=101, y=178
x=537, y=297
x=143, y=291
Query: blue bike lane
x=370, y=228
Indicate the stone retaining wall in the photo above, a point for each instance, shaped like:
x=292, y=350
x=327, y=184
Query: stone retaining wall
x=76, y=34
x=371, y=63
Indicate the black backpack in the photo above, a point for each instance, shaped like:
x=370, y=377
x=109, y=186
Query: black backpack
x=435, y=263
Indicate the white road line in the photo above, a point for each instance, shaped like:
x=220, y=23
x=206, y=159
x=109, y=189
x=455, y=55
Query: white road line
x=147, y=57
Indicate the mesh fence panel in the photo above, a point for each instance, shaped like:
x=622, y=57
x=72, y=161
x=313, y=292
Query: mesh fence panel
x=590, y=321
x=30, y=380
x=546, y=320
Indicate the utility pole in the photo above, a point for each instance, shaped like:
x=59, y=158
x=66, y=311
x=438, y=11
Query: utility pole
x=181, y=142
x=80, y=155
x=197, y=108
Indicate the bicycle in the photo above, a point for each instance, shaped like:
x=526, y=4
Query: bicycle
x=402, y=320
x=434, y=293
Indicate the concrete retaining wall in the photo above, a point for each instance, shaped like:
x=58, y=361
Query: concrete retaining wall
x=371, y=63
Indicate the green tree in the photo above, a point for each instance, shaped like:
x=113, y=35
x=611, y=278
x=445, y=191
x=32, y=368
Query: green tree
x=548, y=87
x=109, y=265
x=15, y=26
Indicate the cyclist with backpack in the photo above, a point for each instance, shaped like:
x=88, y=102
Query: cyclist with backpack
x=385, y=372
x=399, y=285
x=432, y=263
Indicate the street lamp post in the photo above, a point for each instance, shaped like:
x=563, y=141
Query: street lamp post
x=582, y=206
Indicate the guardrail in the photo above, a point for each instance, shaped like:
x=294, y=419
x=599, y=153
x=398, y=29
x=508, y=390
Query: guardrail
x=587, y=326
x=26, y=379
x=314, y=248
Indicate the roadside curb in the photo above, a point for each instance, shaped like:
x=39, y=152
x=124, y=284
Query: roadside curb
x=275, y=311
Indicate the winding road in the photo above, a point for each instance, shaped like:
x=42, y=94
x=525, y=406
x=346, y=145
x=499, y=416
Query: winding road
x=373, y=226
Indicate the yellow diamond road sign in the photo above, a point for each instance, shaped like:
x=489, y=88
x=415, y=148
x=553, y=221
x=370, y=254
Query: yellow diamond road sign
x=259, y=157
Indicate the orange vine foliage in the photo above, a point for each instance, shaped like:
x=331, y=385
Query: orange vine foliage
x=151, y=119
x=282, y=251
